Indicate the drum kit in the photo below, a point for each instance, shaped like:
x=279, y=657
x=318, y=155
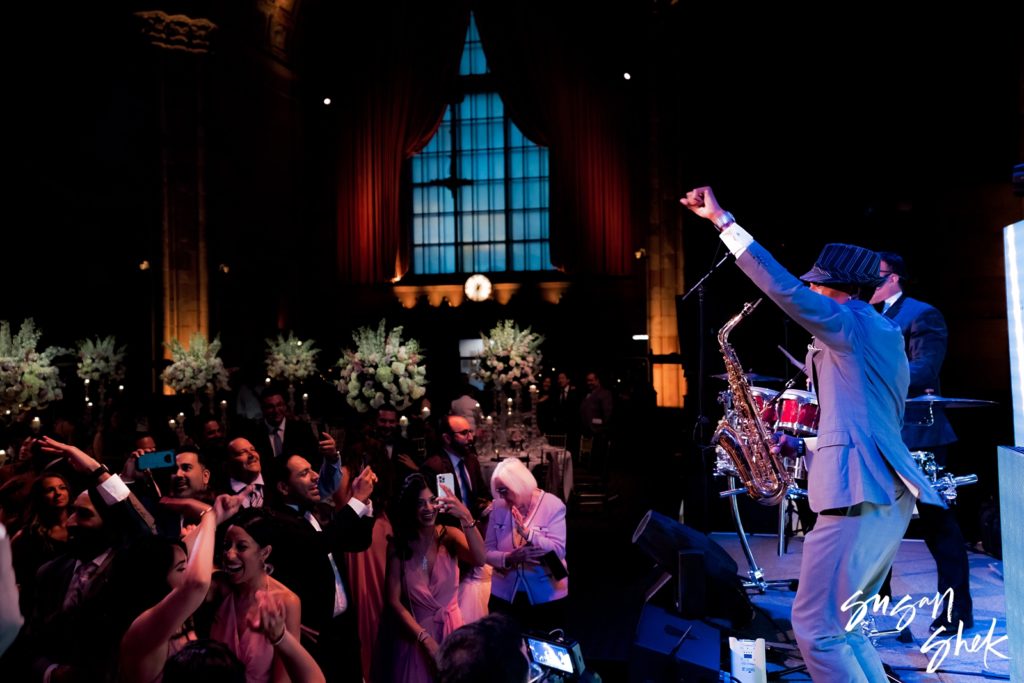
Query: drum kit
x=795, y=412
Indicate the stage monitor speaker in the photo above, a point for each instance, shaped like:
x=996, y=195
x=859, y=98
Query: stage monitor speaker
x=699, y=565
x=668, y=648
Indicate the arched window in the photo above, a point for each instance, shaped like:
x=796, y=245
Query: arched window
x=479, y=188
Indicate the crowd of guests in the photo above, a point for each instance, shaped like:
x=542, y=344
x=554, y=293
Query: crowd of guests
x=272, y=552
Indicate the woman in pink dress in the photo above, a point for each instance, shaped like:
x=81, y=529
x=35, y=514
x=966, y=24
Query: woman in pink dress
x=423, y=575
x=244, y=589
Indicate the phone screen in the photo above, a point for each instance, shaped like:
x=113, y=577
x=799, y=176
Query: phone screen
x=550, y=654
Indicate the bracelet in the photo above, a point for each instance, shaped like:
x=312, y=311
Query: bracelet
x=423, y=635
x=99, y=472
x=280, y=638
x=471, y=524
x=204, y=512
x=723, y=220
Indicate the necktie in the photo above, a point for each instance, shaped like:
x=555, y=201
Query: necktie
x=463, y=481
x=275, y=439
x=256, y=496
x=79, y=582
x=340, y=599
x=885, y=307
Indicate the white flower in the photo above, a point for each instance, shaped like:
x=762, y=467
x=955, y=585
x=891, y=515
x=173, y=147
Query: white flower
x=197, y=368
x=382, y=368
x=28, y=380
x=509, y=354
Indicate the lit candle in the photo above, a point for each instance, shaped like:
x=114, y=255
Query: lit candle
x=266, y=381
x=403, y=422
x=425, y=412
x=120, y=387
x=181, y=418
x=37, y=424
x=489, y=420
x=171, y=423
x=533, y=388
x=509, y=401
x=223, y=405
x=86, y=381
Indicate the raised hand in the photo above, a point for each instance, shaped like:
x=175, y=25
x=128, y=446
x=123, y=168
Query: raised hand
x=77, y=458
x=450, y=503
x=520, y=522
x=268, y=617
x=702, y=202
x=328, y=447
x=226, y=505
x=362, y=486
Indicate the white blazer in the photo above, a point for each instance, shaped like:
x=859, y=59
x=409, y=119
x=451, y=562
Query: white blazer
x=547, y=524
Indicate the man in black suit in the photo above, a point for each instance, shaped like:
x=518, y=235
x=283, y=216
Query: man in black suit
x=278, y=434
x=312, y=566
x=924, y=330
x=103, y=518
x=391, y=457
x=458, y=457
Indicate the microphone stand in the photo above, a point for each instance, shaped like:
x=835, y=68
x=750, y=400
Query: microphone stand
x=702, y=420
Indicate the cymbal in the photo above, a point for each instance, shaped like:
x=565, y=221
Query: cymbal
x=947, y=402
x=752, y=377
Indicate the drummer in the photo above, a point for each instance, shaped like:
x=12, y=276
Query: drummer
x=924, y=331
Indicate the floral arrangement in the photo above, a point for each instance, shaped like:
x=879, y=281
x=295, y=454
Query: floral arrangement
x=509, y=355
x=28, y=378
x=197, y=368
x=100, y=360
x=291, y=359
x=382, y=369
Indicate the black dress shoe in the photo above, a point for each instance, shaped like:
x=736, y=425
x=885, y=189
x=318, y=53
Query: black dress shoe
x=951, y=625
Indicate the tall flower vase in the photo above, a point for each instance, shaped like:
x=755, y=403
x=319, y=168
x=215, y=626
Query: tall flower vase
x=291, y=398
x=197, y=404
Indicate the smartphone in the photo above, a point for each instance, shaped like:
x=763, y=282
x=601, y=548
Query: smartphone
x=156, y=460
x=445, y=479
x=561, y=656
x=554, y=565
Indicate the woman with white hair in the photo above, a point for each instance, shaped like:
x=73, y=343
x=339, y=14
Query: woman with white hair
x=525, y=544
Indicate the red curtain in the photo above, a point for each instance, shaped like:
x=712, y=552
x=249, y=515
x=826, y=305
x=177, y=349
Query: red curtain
x=556, y=67
x=402, y=61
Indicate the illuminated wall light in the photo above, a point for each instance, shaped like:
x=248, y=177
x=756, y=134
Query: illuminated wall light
x=641, y=337
x=1013, y=249
x=144, y=265
x=626, y=76
x=327, y=101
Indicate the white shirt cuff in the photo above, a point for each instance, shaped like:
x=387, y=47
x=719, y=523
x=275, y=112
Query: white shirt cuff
x=362, y=509
x=736, y=239
x=113, y=490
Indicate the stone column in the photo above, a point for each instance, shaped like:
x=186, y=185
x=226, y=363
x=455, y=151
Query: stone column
x=182, y=44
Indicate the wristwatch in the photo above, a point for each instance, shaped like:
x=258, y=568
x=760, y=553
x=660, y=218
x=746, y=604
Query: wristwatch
x=98, y=472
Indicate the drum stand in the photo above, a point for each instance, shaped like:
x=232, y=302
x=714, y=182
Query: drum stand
x=756, y=580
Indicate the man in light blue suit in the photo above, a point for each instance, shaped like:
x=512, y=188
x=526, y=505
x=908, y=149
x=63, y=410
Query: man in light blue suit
x=862, y=479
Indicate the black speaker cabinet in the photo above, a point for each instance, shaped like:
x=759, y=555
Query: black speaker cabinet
x=669, y=649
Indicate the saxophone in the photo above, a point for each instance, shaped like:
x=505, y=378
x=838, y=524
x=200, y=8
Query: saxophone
x=742, y=435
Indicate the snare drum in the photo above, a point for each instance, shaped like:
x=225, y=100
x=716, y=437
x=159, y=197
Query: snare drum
x=762, y=397
x=798, y=413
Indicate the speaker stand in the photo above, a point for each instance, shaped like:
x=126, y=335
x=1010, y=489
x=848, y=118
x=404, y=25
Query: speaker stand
x=756, y=580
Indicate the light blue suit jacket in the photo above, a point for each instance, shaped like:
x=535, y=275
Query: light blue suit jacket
x=861, y=376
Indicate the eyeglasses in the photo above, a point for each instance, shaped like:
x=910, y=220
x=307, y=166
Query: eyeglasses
x=464, y=432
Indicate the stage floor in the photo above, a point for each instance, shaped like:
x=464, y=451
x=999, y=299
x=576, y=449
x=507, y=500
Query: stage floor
x=913, y=575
